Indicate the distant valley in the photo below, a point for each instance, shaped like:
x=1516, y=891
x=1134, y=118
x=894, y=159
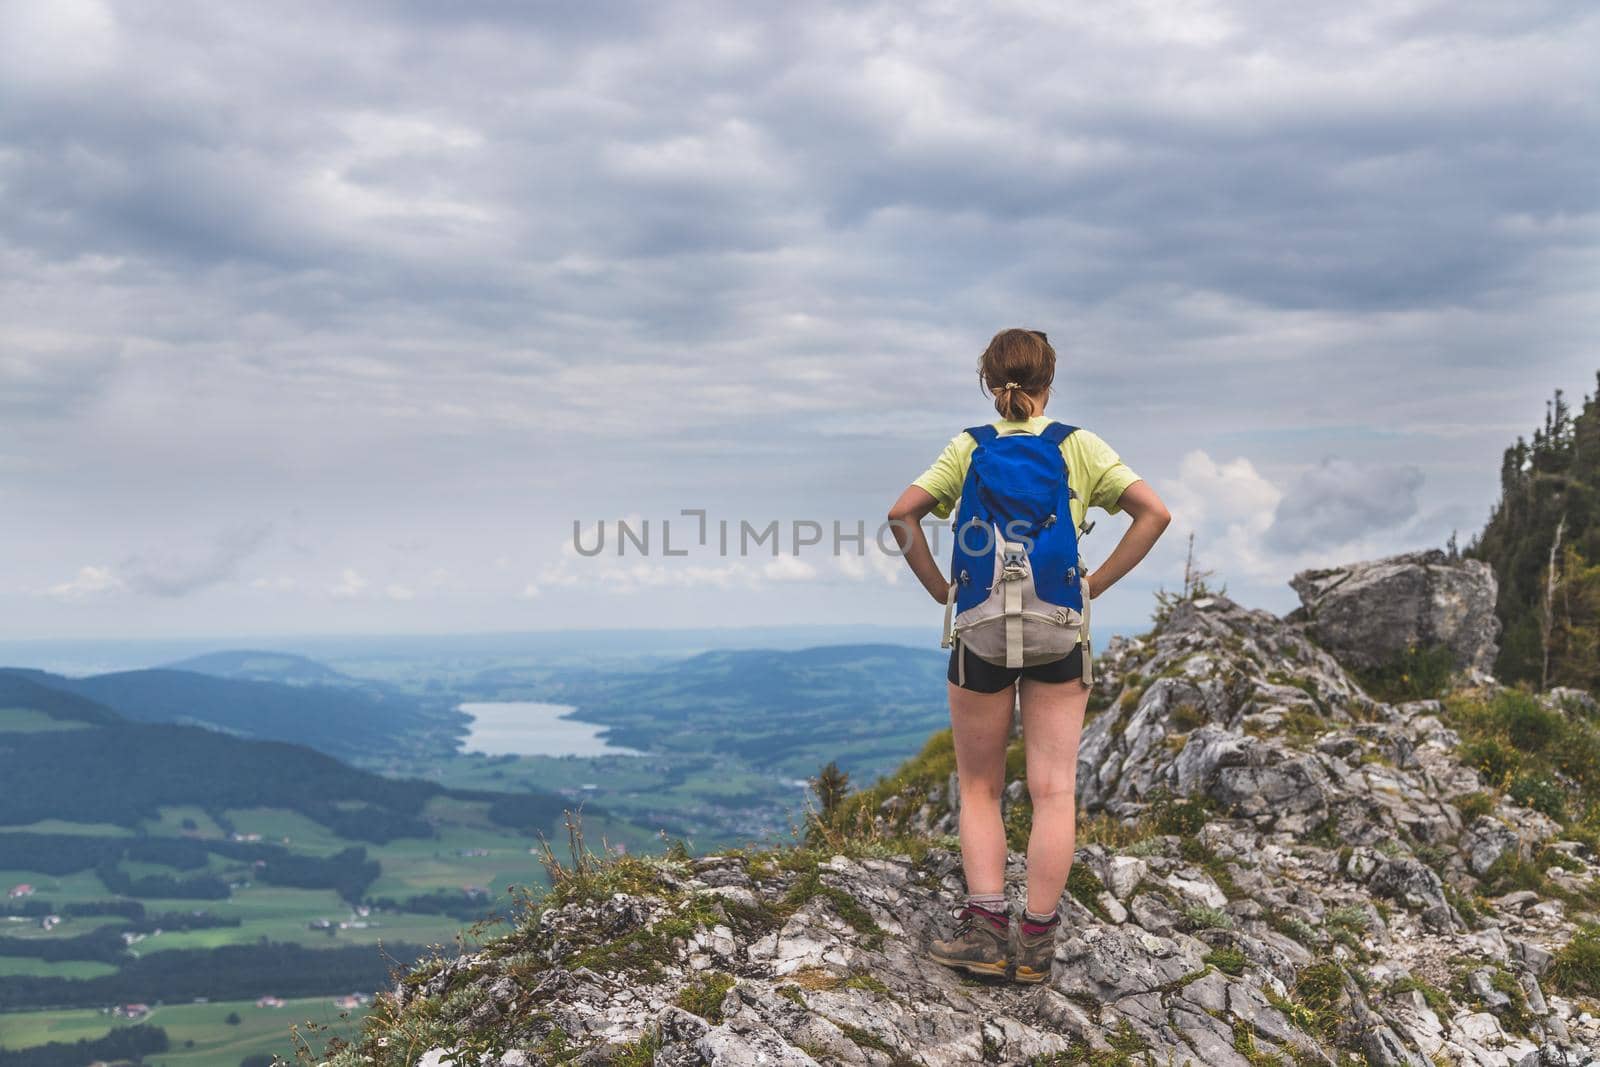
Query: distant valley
x=243, y=825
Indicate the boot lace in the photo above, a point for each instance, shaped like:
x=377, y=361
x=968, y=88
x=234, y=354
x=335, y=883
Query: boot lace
x=969, y=919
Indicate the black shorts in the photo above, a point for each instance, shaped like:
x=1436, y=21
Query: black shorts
x=985, y=677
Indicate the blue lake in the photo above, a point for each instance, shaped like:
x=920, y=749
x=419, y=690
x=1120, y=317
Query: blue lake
x=528, y=728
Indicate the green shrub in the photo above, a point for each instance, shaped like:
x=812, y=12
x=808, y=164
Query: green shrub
x=1495, y=759
x=1576, y=967
x=1228, y=960
x=1473, y=805
x=1319, y=989
x=1186, y=717
x=1415, y=674
x=1204, y=917
x=1171, y=814
x=1086, y=887
x=1528, y=724
x=1437, y=999
x=1540, y=793
x=703, y=995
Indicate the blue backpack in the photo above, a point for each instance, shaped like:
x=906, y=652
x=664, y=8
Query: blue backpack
x=1016, y=592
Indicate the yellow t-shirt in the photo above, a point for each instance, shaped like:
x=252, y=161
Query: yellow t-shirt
x=1094, y=471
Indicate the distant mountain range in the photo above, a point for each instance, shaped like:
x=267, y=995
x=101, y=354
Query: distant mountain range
x=265, y=697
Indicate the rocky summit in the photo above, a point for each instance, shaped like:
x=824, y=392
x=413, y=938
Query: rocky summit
x=1280, y=862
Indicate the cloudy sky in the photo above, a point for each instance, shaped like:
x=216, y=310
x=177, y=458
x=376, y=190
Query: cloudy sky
x=335, y=318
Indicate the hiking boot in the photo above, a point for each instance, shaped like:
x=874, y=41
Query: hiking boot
x=979, y=944
x=1033, y=949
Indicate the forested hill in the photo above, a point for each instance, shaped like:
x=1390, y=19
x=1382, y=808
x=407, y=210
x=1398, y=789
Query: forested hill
x=1547, y=525
x=348, y=722
x=284, y=667
x=65, y=757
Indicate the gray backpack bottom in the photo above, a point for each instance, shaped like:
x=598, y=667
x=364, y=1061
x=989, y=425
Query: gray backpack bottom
x=1012, y=627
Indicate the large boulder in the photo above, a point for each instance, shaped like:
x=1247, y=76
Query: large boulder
x=1369, y=613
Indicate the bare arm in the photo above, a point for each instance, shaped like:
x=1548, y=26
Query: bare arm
x=905, y=519
x=1150, y=518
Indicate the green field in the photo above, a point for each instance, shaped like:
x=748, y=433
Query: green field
x=44, y=969
x=28, y=721
x=216, y=1043
x=469, y=850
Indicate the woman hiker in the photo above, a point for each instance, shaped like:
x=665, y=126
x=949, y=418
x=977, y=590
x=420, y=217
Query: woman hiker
x=1017, y=369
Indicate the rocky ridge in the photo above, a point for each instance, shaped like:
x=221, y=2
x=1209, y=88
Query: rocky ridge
x=1275, y=866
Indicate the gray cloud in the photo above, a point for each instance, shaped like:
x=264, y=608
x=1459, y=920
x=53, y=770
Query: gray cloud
x=179, y=575
x=455, y=274
x=1338, y=502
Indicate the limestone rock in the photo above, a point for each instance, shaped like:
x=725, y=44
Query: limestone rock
x=1368, y=613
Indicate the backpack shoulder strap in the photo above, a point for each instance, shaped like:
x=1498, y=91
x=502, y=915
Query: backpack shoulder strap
x=1057, y=432
x=982, y=434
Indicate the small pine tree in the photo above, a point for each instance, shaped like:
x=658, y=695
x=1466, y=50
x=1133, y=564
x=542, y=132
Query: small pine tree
x=831, y=785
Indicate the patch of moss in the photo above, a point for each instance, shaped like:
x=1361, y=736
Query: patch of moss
x=1473, y=805
x=1202, y=917
x=1086, y=887
x=1186, y=717
x=557, y=1047
x=864, y=1038
x=1438, y=1001
x=643, y=951
x=640, y=1053
x=1125, y=1039
x=868, y=983
x=1195, y=851
x=1184, y=979
x=704, y=993
x=1293, y=927
x=1347, y=925
x=1110, y=831
x=1576, y=966
x=1172, y=814
x=1018, y=822
x=1515, y=1016
x=1319, y=989
x=810, y=886
x=1227, y=959
x=1539, y=792
x=1419, y=673
x=1302, y=725
x=1244, y=1043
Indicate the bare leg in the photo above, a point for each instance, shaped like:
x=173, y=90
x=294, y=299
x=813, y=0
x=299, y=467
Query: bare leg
x=981, y=725
x=1052, y=722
